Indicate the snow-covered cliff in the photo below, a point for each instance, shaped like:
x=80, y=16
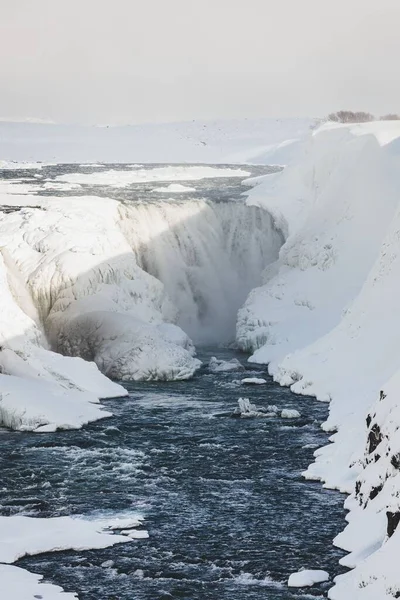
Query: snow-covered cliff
x=327, y=322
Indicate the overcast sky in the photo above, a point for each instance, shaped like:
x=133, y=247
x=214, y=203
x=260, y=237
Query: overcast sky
x=131, y=61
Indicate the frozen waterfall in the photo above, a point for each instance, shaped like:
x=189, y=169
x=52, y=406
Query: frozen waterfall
x=208, y=255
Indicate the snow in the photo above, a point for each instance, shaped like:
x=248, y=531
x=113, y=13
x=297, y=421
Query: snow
x=260, y=141
x=22, y=536
x=6, y=165
x=288, y=413
x=175, y=188
x=307, y=578
x=18, y=584
x=31, y=405
x=253, y=381
x=326, y=322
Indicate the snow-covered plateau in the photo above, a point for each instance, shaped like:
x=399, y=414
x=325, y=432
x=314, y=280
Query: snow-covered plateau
x=327, y=322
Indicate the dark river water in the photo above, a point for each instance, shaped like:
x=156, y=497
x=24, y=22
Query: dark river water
x=228, y=513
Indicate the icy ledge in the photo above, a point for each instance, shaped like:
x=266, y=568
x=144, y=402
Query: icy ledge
x=327, y=323
x=22, y=536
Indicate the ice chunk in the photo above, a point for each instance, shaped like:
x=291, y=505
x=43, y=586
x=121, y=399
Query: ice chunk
x=219, y=366
x=245, y=406
x=254, y=380
x=248, y=410
x=175, y=188
x=307, y=578
x=289, y=413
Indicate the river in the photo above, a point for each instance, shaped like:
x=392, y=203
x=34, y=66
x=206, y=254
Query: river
x=228, y=513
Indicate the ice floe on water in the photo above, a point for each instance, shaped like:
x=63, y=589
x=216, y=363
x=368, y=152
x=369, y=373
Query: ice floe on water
x=307, y=578
x=120, y=179
x=176, y=188
x=253, y=381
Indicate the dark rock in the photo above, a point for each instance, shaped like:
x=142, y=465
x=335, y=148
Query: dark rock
x=395, y=461
x=393, y=519
x=374, y=438
x=375, y=491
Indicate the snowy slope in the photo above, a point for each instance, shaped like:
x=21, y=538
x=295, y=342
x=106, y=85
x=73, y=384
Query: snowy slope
x=229, y=141
x=22, y=536
x=327, y=322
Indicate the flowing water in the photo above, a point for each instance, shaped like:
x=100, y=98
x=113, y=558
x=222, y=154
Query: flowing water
x=228, y=513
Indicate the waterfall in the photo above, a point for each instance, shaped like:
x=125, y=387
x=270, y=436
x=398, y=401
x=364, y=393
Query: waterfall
x=208, y=255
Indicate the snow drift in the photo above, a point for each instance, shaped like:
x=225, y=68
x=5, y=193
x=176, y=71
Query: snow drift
x=326, y=320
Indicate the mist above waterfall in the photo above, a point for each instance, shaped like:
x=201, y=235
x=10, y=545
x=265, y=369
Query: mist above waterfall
x=208, y=255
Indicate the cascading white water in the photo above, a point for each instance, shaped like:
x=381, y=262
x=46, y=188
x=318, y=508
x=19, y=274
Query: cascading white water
x=208, y=255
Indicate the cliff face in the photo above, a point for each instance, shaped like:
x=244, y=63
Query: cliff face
x=328, y=324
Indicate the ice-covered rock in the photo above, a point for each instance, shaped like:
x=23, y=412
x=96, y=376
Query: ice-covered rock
x=289, y=413
x=219, y=366
x=307, y=578
x=248, y=410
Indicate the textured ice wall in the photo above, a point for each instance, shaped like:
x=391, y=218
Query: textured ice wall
x=208, y=256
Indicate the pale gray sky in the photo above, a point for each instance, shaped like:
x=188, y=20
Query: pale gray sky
x=120, y=61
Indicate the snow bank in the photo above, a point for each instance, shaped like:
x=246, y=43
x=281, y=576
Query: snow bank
x=39, y=389
x=22, y=536
x=327, y=320
x=31, y=405
x=18, y=584
x=253, y=381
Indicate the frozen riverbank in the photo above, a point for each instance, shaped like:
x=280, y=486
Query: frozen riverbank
x=327, y=323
